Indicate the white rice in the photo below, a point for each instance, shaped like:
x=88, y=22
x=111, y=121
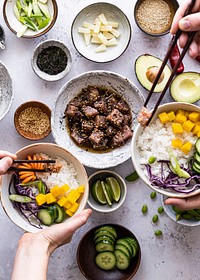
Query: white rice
x=156, y=141
x=66, y=175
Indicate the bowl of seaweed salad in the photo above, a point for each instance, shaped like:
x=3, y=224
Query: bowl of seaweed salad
x=51, y=60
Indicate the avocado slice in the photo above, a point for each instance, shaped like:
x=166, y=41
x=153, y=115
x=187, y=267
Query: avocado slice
x=146, y=69
x=186, y=87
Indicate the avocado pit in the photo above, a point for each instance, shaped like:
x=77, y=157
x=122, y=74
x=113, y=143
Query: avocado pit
x=152, y=73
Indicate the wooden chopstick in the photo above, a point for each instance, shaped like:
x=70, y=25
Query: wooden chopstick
x=18, y=169
x=33, y=161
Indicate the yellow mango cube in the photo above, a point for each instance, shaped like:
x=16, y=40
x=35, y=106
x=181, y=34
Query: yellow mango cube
x=64, y=189
x=67, y=205
x=180, y=118
x=196, y=129
x=50, y=198
x=40, y=199
x=188, y=126
x=62, y=201
x=164, y=118
x=194, y=117
x=171, y=116
x=186, y=147
x=177, y=128
x=55, y=191
x=198, y=134
x=69, y=213
x=181, y=111
x=177, y=143
x=74, y=207
x=81, y=189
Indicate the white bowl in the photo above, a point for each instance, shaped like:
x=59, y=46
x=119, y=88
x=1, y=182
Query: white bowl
x=101, y=175
x=112, y=81
x=112, y=13
x=172, y=215
x=52, y=150
x=14, y=25
x=6, y=91
x=43, y=45
x=174, y=106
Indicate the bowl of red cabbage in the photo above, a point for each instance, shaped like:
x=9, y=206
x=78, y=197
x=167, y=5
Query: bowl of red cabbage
x=166, y=153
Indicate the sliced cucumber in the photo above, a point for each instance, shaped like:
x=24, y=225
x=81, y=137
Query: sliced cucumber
x=133, y=241
x=134, y=249
x=195, y=169
x=53, y=210
x=110, y=229
x=125, y=243
x=45, y=217
x=61, y=214
x=104, y=237
x=122, y=261
x=104, y=246
x=197, y=146
x=123, y=249
x=197, y=157
x=102, y=233
x=106, y=260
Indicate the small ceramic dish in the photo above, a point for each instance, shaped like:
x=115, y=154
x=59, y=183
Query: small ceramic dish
x=86, y=254
x=112, y=14
x=6, y=91
x=14, y=25
x=32, y=117
x=46, y=46
x=190, y=222
x=102, y=175
x=155, y=20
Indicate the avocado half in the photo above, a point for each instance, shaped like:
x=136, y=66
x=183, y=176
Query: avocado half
x=186, y=87
x=145, y=76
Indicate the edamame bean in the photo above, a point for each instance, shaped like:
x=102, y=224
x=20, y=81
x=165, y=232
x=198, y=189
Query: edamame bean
x=144, y=208
x=160, y=210
x=155, y=219
x=153, y=195
x=151, y=159
x=158, y=232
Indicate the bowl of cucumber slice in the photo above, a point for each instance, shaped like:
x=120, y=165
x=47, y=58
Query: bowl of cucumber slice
x=109, y=251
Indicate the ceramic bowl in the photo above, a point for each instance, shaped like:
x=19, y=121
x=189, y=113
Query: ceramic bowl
x=112, y=81
x=51, y=150
x=6, y=91
x=112, y=13
x=14, y=25
x=143, y=25
x=44, y=45
x=136, y=153
x=102, y=175
x=27, y=133
x=172, y=215
x=86, y=254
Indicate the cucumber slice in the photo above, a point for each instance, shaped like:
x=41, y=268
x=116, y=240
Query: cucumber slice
x=197, y=158
x=106, y=238
x=53, y=211
x=45, y=217
x=123, y=249
x=133, y=241
x=104, y=246
x=61, y=214
x=105, y=260
x=134, y=250
x=108, y=228
x=195, y=169
x=122, y=261
x=125, y=243
x=197, y=146
x=104, y=232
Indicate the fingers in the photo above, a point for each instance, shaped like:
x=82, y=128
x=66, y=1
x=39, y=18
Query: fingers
x=178, y=16
x=184, y=204
x=7, y=154
x=79, y=220
x=190, y=22
x=5, y=163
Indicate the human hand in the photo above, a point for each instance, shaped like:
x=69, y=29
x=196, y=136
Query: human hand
x=6, y=160
x=188, y=23
x=185, y=203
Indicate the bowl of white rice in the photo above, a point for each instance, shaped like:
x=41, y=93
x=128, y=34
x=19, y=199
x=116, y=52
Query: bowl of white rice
x=71, y=172
x=154, y=156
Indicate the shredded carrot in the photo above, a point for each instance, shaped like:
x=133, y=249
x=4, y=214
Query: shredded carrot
x=28, y=179
x=25, y=172
x=28, y=174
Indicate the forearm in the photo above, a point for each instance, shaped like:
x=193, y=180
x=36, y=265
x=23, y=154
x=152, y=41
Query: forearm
x=31, y=260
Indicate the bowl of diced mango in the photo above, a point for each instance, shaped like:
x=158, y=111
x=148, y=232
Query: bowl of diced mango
x=166, y=153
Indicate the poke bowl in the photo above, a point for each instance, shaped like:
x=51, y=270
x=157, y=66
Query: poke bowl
x=165, y=152
x=35, y=200
x=86, y=118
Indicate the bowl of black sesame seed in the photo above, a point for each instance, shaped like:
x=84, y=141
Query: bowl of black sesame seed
x=51, y=60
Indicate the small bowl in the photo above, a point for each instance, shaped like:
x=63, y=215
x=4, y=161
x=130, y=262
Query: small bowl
x=172, y=215
x=6, y=91
x=14, y=25
x=44, y=45
x=172, y=6
x=136, y=155
x=112, y=13
x=28, y=134
x=54, y=151
x=101, y=175
x=86, y=257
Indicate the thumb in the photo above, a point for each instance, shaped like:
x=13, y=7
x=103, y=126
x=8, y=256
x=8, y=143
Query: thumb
x=190, y=22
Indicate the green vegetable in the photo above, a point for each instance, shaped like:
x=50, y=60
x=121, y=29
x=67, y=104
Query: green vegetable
x=155, y=219
x=41, y=187
x=20, y=198
x=160, y=210
x=132, y=177
x=153, y=195
x=151, y=159
x=176, y=167
x=144, y=208
x=158, y=232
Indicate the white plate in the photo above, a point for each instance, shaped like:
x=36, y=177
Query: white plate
x=6, y=91
x=112, y=13
x=112, y=81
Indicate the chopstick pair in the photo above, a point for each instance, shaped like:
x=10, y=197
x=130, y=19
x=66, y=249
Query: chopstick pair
x=167, y=56
x=18, y=169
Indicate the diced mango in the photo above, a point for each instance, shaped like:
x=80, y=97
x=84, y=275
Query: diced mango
x=198, y=134
x=81, y=189
x=74, y=207
x=196, y=129
x=164, y=118
x=171, y=116
x=177, y=128
x=180, y=118
x=69, y=213
x=55, y=191
x=63, y=189
x=177, y=143
x=194, y=117
x=50, y=198
x=40, y=199
x=186, y=148
x=62, y=201
x=181, y=111
x=188, y=126
x=67, y=205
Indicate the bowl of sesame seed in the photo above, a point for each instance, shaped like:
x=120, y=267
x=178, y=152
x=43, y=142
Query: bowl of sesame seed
x=155, y=17
x=32, y=120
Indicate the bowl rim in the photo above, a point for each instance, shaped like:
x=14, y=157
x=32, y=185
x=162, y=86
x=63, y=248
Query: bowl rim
x=96, y=4
x=55, y=14
x=41, y=46
x=12, y=91
x=122, y=199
